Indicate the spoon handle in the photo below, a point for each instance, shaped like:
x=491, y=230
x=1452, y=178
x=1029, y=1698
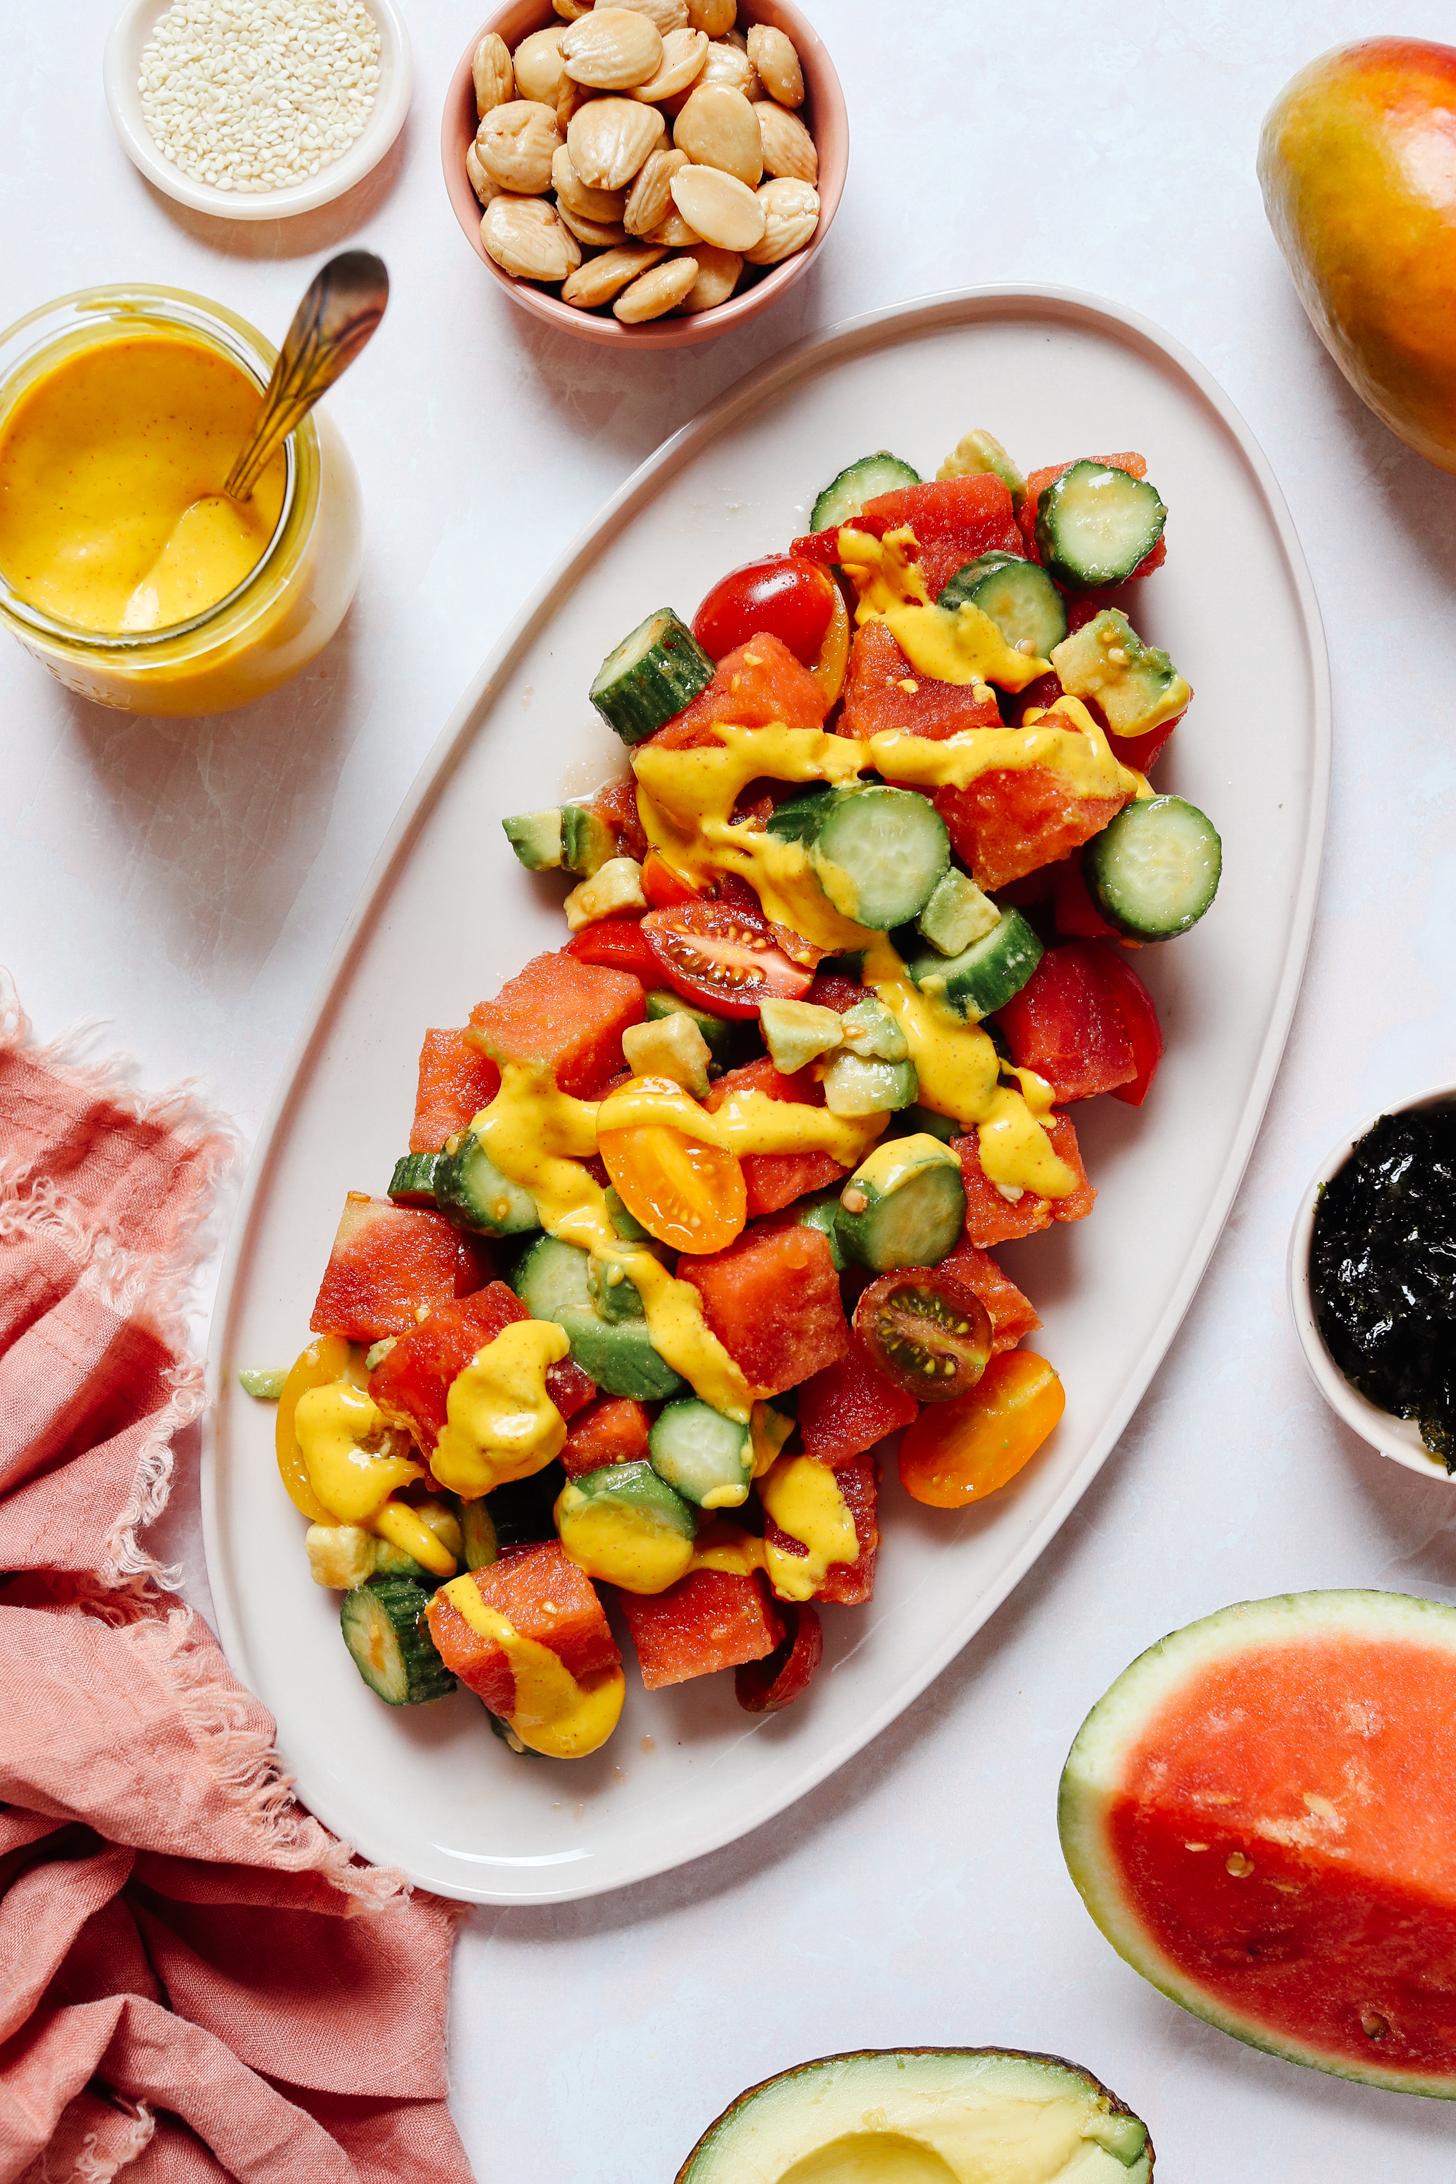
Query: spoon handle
x=342, y=305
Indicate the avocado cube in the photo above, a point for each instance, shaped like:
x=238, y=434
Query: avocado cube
x=1136, y=685
x=798, y=1032
x=672, y=1047
x=617, y=886
x=536, y=838
x=872, y=1032
x=957, y=914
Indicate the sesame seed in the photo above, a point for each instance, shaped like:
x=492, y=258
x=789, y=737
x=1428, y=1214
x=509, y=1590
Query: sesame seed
x=252, y=95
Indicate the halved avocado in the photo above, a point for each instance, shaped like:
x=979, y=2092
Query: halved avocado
x=925, y=2116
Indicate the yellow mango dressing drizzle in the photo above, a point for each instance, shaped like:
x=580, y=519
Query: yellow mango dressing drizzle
x=948, y=644
x=500, y=1423
x=561, y=1715
x=353, y=1470
x=802, y=1497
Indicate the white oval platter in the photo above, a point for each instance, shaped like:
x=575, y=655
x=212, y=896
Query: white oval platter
x=447, y=916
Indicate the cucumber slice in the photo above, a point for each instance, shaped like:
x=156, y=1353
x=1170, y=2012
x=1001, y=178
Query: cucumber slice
x=415, y=1179
x=553, y=1282
x=480, y=1542
x=854, y=1085
x=626, y=1526
x=1020, y=599
x=722, y=1037
x=471, y=1190
x=799, y=818
x=1155, y=869
x=924, y=1122
x=521, y=1513
x=880, y=854
x=844, y=497
x=706, y=1457
x=983, y=977
x=1095, y=525
x=651, y=677
x=821, y=1213
x=903, y=1206
x=390, y=1644
x=957, y=914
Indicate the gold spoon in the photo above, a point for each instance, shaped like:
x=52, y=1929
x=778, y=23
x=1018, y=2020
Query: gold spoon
x=341, y=307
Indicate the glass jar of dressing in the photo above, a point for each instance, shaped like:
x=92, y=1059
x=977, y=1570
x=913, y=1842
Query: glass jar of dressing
x=123, y=566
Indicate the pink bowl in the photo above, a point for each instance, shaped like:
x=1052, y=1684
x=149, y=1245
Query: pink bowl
x=824, y=111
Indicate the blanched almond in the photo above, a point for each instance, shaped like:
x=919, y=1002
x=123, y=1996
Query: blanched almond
x=728, y=63
x=788, y=148
x=657, y=292
x=683, y=55
x=524, y=236
x=610, y=138
x=674, y=233
x=666, y=14
x=539, y=65
x=492, y=73
x=713, y=16
x=719, y=272
x=484, y=188
x=776, y=57
x=718, y=128
x=596, y=234
x=516, y=143
x=612, y=49
x=572, y=11
x=587, y=204
x=598, y=279
x=791, y=214
x=569, y=96
x=649, y=201
x=719, y=207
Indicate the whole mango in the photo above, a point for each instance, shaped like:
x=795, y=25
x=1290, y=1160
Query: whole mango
x=1358, y=167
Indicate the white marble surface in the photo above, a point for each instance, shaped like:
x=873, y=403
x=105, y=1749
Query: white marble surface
x=188, y=883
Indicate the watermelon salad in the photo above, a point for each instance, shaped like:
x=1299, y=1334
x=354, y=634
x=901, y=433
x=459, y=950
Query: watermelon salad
x=700, y=1209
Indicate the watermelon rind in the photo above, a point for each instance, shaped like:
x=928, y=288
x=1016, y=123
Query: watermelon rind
x=1118, y=1723
x=799, y=2113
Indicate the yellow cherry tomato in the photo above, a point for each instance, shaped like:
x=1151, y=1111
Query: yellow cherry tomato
x=684, y=1193
x=958, y=1453
x=327, y=1358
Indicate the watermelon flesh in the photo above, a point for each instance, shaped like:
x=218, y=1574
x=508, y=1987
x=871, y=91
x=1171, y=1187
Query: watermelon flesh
x=456, y=1080
x=1261, y=1816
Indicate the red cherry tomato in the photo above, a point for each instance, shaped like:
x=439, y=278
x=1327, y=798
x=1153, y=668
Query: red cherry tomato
x=928, y=1332
x=662, y=885
x=1134, y=1004
x=766, y=1687
x=618, y=944
x=786, y=596
x=720, y=959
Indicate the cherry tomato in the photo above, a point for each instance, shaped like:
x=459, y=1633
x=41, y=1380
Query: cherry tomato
x=952, y=1457
x=617, y=943
x=832, y=665
x=1134, y=1004
x=928, y=1332
x=785, y=596
x=716, y=957
x=820, y=547
x=686, y=1194
x=664, y=887
x=766, y=1687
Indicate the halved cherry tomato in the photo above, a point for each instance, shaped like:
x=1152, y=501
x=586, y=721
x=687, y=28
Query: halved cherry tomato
x=1134, y=1004
x=791, y=599
x=766, y=1687
x=617, y=943
x=686, y=1194
x=664, y=887
x=927, y=1331
x=950, y=1458
x=718, y=958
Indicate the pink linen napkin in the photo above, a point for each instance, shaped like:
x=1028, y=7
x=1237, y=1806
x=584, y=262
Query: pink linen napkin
x=196, y=1980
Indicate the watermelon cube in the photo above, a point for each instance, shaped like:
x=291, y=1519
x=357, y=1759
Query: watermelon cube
x=1011, y=1314
x=387, y=1261
x=758, y=686
x=992, y=1219
x=884, y=692
x=412, y=1382
x=775, y=1180
x=955, y=520
x=1015, y=820
x=1067, y=1025
x=710, y=1620
x=566, y=1014
x=456, y=1080
x=773, y=1301
x=850, y=1407
x=545, y=1598
x=611, y=1431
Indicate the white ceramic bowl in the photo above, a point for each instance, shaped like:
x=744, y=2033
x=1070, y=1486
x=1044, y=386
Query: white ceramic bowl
x=1397, y=1438
x=121, y=68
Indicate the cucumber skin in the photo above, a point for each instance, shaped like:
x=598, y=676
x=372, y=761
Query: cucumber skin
x=1099, y=869
x=841, y=500
x=872, y=1236
x=975, y=582
x=1081, y=576
x=1012, y=957
x=618, y=1355
x=403, y=1604
x=415, y=1181
x=672, y=667
x=456, y=1193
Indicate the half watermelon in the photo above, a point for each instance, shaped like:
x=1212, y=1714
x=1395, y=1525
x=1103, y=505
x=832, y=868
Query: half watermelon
x=1261, y=1817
